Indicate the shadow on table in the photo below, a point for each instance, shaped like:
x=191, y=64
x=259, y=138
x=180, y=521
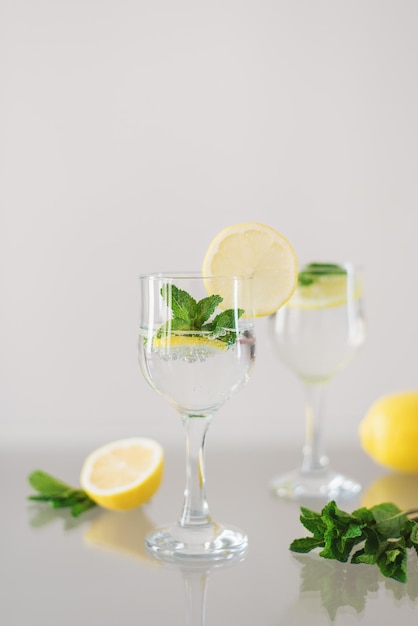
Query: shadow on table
x=120, y=531
x=349, y=585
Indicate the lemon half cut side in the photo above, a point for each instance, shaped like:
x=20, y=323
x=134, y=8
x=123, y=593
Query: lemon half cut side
x=123, y=474
x=257, y=250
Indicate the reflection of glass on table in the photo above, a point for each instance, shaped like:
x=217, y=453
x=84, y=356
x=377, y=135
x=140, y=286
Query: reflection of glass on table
x=195, y=576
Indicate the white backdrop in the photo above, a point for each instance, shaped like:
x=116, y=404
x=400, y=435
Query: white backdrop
x=133, y=131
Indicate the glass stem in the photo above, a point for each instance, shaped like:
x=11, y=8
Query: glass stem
x=195, y=509
x=314, y=459
x=195, y=591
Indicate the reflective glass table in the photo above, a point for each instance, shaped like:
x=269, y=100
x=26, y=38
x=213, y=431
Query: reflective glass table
x=57, y=570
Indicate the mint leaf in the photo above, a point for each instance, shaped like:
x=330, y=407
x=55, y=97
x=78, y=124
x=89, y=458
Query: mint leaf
x=58, y=494
x=176, y=323
x=223, y=325
x=390, y=520
x=46, y=484
x=313, y=522
x=343, y=531
x=383, y=534
x=392, y=560
x=312, y=271
x=189, y=315
x=306, y=544
x=181, y=302
x=205, y=308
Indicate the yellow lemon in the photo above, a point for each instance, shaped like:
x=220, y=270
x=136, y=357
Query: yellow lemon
x=123, y=474
x=325, y=285
x=253, y=249
x=389, y=431
x=167, y=342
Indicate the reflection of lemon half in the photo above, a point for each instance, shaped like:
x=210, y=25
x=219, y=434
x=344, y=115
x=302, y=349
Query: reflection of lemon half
x=328, y=290
x=401, y=489
x=389, y=431
x=256, y=250
x=123, y=531
x=172, y=341
x=123, y=474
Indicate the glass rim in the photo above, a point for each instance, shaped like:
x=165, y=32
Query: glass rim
x=347, y=265
x=192, y=275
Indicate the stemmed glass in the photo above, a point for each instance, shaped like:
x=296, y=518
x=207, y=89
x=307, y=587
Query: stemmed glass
x=196, y=348
x=316, y=334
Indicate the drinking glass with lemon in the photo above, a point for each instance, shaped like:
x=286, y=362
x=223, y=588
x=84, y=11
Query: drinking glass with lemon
x=316, y=334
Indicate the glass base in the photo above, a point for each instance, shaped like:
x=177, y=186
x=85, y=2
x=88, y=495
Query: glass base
x=323, y=485
x=209, y=542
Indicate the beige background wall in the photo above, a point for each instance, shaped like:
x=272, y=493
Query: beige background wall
x=131, y=132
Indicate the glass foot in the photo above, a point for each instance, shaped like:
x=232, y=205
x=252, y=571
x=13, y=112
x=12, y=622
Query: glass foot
x=325, y=485
x=210, y=542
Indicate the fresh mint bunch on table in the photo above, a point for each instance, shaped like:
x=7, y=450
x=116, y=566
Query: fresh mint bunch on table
x=192, y=315
x=380, y=535
x=58, y=494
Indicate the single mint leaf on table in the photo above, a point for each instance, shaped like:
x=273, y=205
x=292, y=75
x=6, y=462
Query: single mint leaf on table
x=382, y=533
x=58, y=494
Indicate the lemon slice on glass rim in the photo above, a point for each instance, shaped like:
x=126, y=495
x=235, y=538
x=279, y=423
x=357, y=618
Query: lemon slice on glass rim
x=257, y=250
x=123, y=474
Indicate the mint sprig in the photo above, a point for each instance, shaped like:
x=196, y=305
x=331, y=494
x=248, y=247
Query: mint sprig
x=58, y=494
x=313, y=271
x=194, y=315
x=383, y=533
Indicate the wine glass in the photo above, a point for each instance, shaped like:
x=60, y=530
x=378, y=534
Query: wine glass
x=316, y=334
x=196, y=348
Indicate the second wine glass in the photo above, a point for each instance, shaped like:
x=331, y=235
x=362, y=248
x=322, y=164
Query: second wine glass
x=316, y=334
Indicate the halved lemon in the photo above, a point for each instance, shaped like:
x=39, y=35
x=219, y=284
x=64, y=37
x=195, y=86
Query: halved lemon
x=123, y=474
x=253, y=249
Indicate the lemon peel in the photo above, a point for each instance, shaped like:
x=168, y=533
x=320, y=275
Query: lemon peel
x=389, y=431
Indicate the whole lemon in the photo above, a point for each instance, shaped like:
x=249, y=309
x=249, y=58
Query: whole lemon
x=389, y=431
